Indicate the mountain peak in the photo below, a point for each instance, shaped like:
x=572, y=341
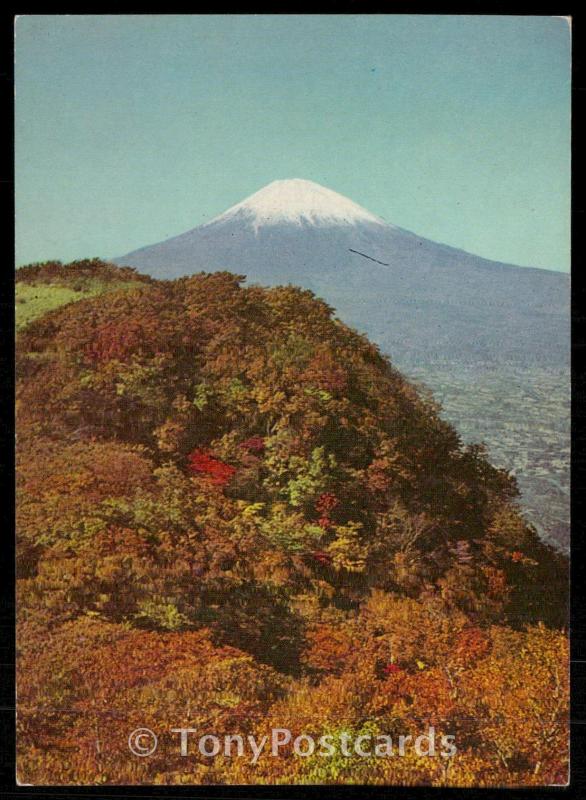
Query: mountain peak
x=297, y=201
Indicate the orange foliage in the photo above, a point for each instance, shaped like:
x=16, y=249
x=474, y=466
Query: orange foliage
x=234, y=513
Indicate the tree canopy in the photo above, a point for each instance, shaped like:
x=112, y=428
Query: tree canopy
x=226, y=492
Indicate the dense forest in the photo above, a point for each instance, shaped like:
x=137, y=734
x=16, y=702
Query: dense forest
x=235, y=515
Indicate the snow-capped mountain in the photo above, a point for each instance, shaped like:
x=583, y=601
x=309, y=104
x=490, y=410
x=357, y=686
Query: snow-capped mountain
x=297, y=202
x=421, y=301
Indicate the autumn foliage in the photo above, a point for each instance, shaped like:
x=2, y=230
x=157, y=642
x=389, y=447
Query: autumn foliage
x=234, y=513
x=215, y=471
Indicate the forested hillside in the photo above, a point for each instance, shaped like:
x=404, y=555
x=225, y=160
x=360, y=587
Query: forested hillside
x=233, y=515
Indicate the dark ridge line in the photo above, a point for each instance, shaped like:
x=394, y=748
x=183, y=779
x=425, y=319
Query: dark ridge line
x=369, y=257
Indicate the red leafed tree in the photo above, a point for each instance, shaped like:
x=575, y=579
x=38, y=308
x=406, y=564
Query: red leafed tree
x=256, y=444
x=390, y=669
x=202, y=462
x=325, y=503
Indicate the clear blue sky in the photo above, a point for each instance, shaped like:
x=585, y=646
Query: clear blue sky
x=131, y=129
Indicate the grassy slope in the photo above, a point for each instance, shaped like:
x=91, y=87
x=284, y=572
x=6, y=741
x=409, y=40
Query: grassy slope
x=34, y=300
